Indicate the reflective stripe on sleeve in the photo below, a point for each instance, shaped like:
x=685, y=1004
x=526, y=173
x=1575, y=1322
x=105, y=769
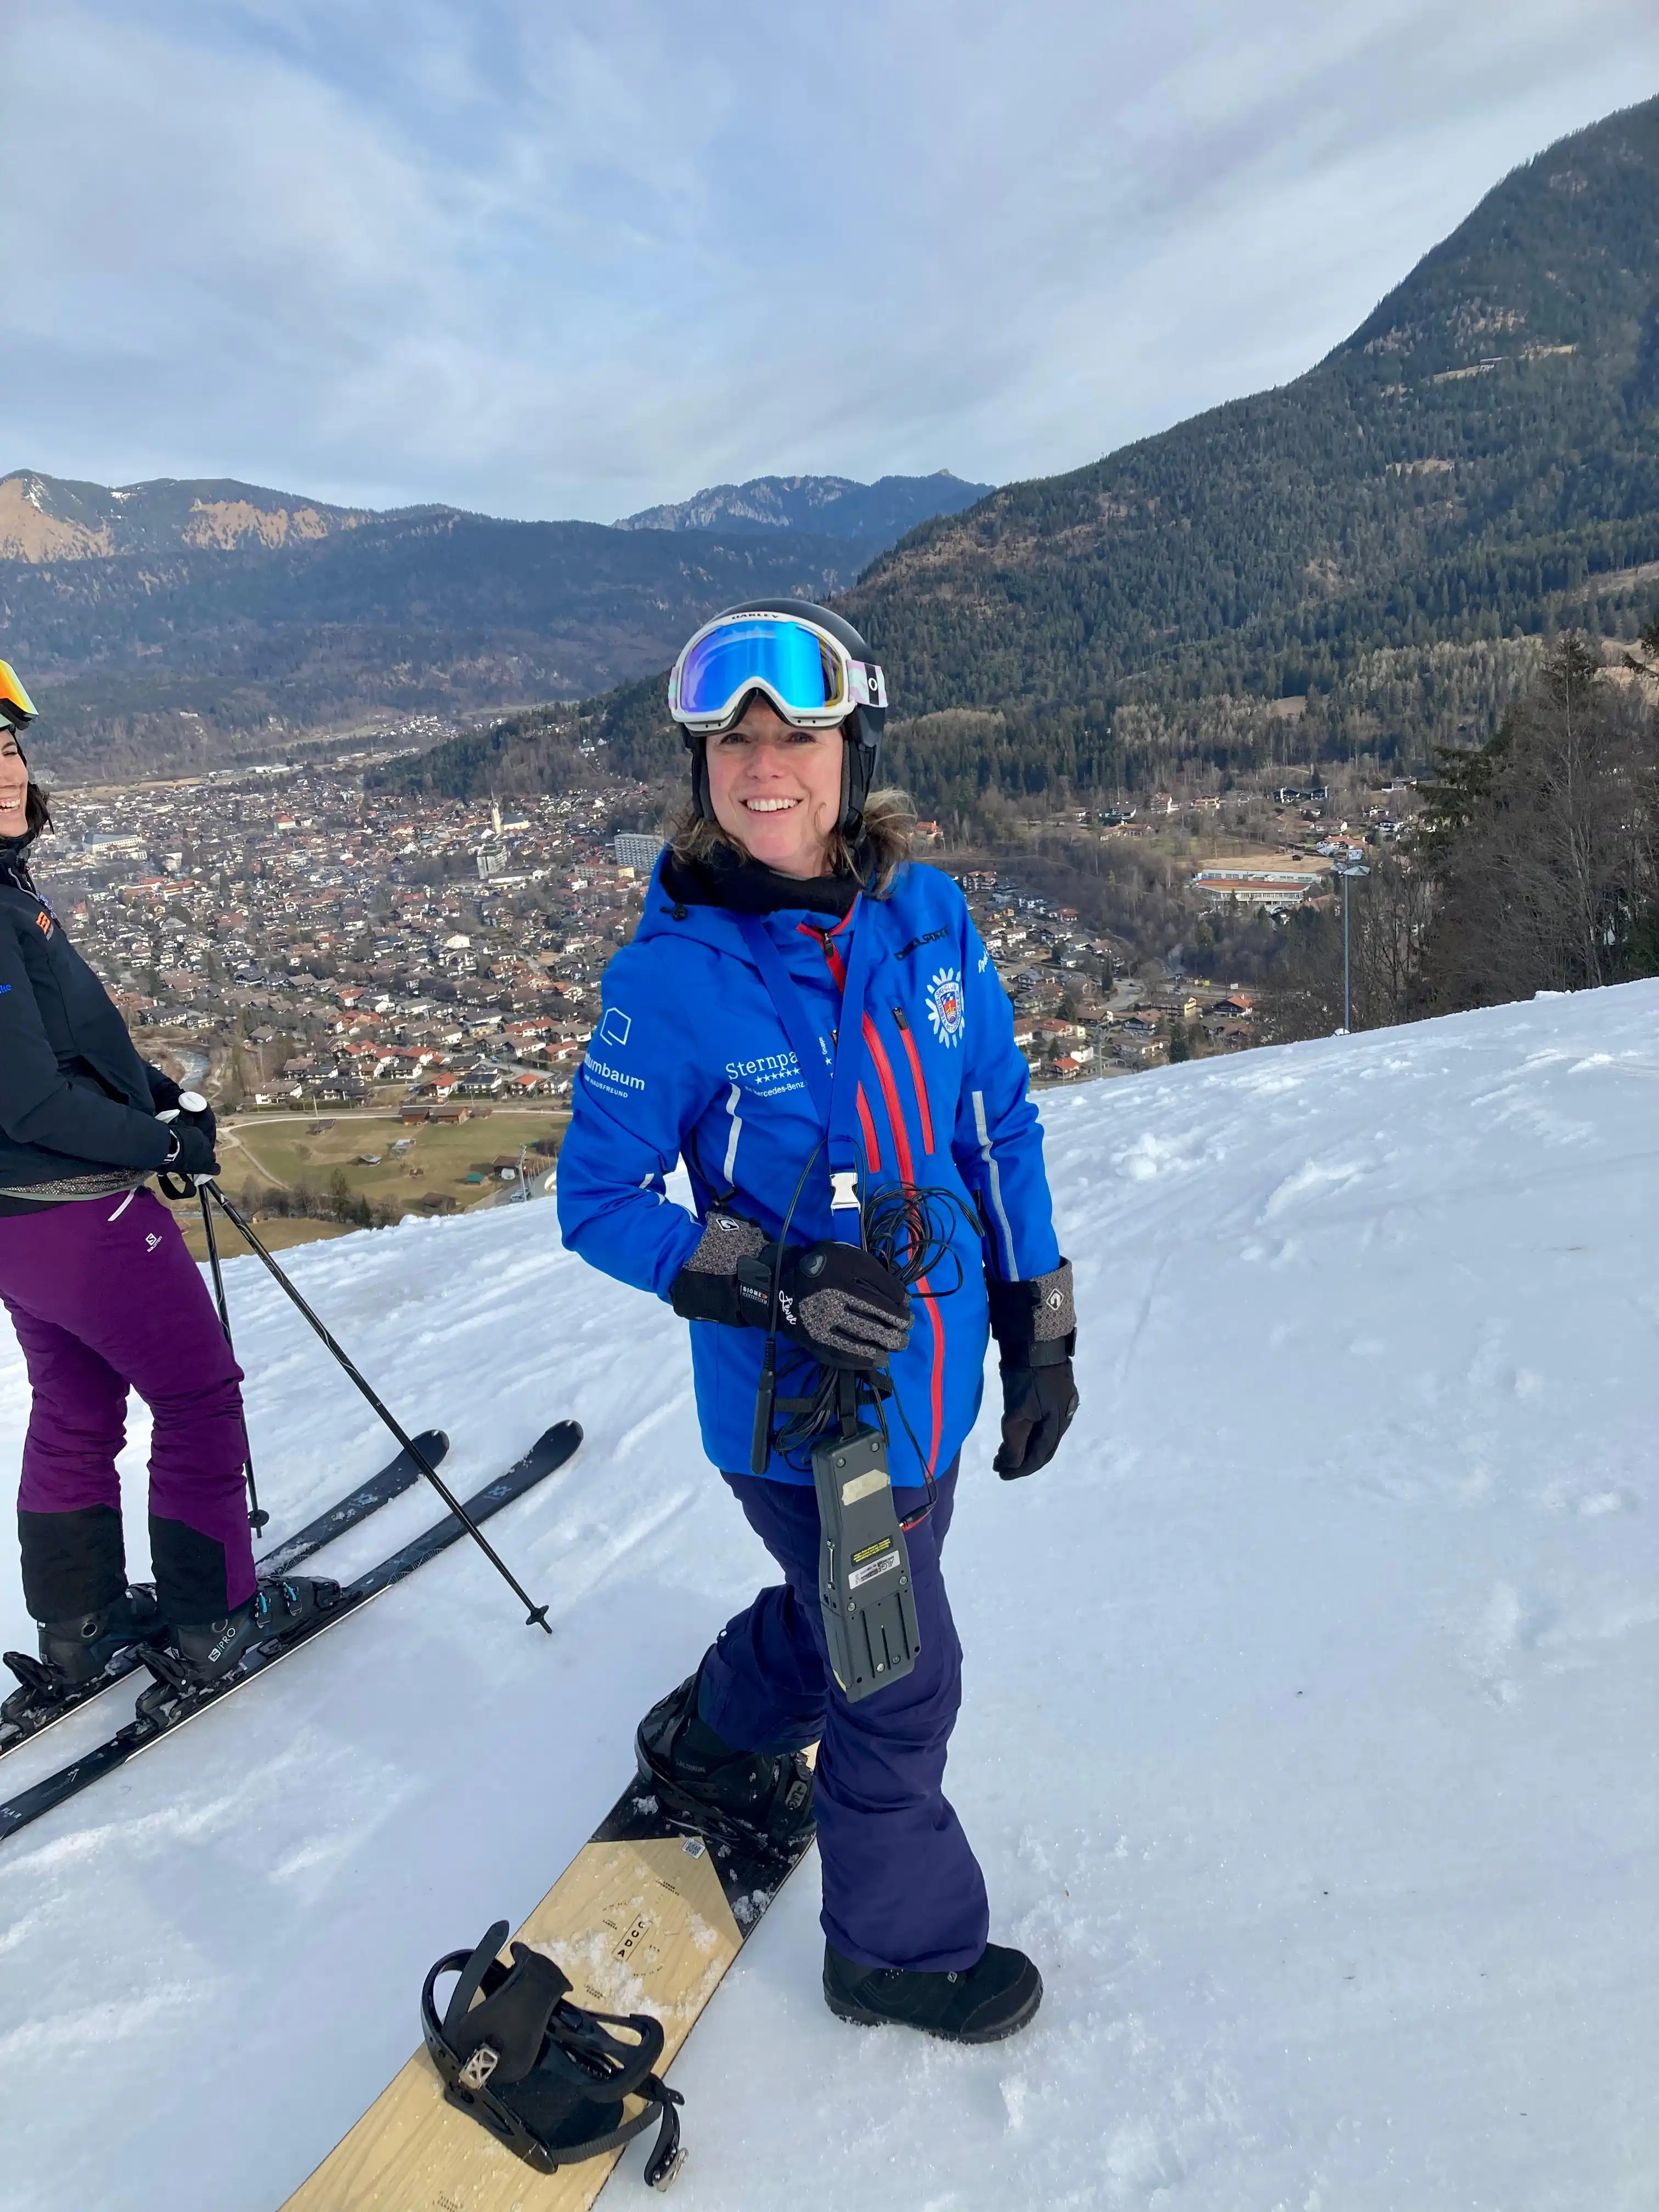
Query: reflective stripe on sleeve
x=1010, y=1272
x=729, y=1167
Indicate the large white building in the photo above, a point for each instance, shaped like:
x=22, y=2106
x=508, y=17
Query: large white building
x=1274, y=888
x=631, y=849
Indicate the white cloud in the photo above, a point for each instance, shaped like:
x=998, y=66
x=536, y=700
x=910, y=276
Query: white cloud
x=570, y=258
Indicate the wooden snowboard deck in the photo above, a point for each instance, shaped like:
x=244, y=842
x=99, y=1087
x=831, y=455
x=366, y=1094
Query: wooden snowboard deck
x=645, y=1918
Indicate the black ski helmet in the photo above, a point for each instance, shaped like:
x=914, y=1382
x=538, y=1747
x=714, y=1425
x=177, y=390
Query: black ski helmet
x=862, y=729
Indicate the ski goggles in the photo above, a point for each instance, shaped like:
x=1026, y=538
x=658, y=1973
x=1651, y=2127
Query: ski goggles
x=808, y=676
x=17, y=707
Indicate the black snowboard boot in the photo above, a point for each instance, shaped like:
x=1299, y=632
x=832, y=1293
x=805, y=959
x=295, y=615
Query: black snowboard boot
x=275, y=1611
x=78, y=1649
x=751, y=1797
x=981, y=2004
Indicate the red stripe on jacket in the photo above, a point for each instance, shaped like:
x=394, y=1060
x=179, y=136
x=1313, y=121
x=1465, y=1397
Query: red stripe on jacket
x=838, y=969
x=915, y=1059
x=884, y=1068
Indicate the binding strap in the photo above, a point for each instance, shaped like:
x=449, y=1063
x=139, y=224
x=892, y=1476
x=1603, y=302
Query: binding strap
x=547, y=2078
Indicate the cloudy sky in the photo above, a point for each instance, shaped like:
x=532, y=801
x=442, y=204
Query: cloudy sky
x=572, y=257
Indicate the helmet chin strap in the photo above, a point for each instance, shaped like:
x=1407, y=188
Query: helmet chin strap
x=701, y=804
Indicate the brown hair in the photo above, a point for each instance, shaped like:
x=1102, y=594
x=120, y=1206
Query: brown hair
x=37, y=815
x=890, y=822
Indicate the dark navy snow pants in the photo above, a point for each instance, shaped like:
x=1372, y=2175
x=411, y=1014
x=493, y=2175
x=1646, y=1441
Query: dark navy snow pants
x=902, y=1887
x=105, y=1298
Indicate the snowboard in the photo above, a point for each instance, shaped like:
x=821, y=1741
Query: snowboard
x=647, y=1917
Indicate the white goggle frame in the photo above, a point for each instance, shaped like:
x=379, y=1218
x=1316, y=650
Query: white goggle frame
x=862, y=683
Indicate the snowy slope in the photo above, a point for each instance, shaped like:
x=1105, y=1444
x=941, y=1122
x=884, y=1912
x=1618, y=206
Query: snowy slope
x=1308, y=1736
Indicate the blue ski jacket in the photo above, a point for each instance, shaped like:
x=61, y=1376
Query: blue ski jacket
x=690, y=1058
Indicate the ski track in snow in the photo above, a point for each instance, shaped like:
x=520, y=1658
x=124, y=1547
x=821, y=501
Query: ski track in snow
x=1308, y=1732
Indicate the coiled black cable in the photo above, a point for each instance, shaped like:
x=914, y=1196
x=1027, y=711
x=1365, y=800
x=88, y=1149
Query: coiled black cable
x=907, y=1226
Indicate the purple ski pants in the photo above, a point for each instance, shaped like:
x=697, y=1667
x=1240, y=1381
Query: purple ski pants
x=105, y=1298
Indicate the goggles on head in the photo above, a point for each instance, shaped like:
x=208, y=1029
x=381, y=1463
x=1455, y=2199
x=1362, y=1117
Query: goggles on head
x=17, y=707
x=808, y=676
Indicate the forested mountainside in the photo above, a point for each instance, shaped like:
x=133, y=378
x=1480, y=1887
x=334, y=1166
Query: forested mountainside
x=876, y=514
x=175, y=623
x=1478, y=462
x=1365, y=560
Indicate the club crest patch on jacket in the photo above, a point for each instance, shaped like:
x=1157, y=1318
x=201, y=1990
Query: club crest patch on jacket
x=945, y=1005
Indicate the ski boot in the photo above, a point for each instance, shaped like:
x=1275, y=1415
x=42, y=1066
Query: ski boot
x=74, y=1655
x=981, y=2004
x=277, y=1611
x=78, y=1650
x=746, y=1796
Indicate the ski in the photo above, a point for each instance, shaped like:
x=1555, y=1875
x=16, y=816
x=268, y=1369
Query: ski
x=645, y=1918
x=40, y=1704
x=166, y=1706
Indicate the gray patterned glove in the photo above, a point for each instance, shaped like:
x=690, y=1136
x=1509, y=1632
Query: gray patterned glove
x=848, y=1308
x=706, y=1288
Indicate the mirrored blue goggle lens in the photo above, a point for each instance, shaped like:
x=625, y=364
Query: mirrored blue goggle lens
x=727, y=661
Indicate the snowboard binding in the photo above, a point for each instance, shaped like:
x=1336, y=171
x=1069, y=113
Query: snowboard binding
x=547, y=2079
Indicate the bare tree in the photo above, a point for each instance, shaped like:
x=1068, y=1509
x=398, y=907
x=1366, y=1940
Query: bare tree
x=1392, y=910
x=1543, y=845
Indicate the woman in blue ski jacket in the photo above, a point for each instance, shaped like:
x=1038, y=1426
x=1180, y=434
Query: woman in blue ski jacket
x=811, y=1020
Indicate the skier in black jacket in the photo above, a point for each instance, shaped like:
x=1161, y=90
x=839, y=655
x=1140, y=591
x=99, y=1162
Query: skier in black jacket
x=105, y=1298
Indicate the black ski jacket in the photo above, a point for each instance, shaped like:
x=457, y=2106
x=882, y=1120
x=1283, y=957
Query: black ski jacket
x=75, y=1097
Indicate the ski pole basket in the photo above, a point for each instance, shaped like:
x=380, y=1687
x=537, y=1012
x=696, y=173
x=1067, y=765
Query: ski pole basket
x=549, y=2080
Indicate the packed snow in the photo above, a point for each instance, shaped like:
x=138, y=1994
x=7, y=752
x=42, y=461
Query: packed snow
x=1310, y=1695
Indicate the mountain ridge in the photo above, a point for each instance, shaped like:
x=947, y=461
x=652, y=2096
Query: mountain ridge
x=181, y=621
x=44, y=519
x=829, y=507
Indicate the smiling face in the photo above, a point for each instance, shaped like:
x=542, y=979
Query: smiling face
x=776, y=791
x=14, y=785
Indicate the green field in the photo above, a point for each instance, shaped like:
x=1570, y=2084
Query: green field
x=434, y=1159
x=275, y=1235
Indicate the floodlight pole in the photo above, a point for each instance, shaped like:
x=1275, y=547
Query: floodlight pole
x=1348, y=874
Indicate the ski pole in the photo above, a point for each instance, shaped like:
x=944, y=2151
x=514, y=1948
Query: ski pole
x=256, y=1518
x=536, y=1614
x=176, y=1188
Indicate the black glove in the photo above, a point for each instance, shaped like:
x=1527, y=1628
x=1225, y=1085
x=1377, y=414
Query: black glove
x=1037, y=1406
x=192, y=1150
x=846, y=1307
x=200, y=1115
x=164, y=1092
x=1035, y=1325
